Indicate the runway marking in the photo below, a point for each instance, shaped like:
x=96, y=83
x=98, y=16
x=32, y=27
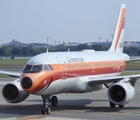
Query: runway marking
x=123, y=113
x=47, y=117
x=31, y=117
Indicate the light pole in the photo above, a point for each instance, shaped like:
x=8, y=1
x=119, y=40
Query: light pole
x=112, y=36
x=48, y=40
x=47, y=44
x=100, y=39
x=55, y=42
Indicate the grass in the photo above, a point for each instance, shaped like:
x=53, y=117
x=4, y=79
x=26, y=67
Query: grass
x=13, y=62
x=130, y=72
x=134, y=64
x=4, y=76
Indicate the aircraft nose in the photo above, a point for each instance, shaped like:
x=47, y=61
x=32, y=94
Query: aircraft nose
x=26, y=83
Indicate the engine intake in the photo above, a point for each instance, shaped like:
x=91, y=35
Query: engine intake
x=121, y=93
x=13, y=93
x=118, y=93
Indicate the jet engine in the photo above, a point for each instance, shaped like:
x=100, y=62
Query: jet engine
x=13, y=93
x=121, y=93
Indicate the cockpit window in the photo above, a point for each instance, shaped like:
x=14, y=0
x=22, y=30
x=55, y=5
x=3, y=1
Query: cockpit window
x=37, y=68
x=27, y=68
x=32, y=68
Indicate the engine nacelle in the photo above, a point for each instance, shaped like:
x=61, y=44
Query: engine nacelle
x=121, y=93
x=13, y=93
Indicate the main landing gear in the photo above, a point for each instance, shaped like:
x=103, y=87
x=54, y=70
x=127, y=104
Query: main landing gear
x=46, y=108
x=112, y=105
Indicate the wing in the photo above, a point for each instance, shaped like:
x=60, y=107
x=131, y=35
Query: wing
x=135, y=59
x=12, y=74
x=97, y=81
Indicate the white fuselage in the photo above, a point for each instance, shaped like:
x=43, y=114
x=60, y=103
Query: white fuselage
x=77, y=68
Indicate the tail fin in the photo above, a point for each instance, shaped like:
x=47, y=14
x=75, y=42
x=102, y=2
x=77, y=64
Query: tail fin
x=117, y=43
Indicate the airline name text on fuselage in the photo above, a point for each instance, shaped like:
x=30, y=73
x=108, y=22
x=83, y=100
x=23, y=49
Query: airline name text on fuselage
x=79, y=59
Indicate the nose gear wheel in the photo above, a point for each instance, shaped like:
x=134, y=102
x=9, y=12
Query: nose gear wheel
x=46, y=108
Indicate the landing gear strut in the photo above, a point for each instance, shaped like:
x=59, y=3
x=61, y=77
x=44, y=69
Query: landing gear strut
x=112, y=105
x=46, y=108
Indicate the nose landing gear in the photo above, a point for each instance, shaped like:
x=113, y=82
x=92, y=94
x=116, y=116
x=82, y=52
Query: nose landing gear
x=46, y=108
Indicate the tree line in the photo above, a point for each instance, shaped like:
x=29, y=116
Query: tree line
x=31, y=51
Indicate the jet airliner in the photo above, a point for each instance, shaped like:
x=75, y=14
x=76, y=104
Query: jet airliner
x=52, y=73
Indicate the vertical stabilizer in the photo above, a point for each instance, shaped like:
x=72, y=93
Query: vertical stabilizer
x=117, y=43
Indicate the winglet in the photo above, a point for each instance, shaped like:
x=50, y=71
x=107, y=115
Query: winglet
x=117, y=43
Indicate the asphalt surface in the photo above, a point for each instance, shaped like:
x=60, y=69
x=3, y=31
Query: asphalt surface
x=93, y=106
x=13, y=69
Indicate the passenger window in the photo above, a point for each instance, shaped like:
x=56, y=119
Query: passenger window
x=46, y=67
x=51, y=68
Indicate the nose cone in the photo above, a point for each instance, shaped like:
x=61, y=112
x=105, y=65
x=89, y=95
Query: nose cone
x=26, y=83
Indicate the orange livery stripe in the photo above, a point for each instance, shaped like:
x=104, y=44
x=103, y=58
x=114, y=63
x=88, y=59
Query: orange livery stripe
x=44, y=78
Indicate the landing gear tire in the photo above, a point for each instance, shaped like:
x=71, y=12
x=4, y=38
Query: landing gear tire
x=54, y=101
x=121, y=106
x=112, y=105
x=43, y=111
x=48, y=110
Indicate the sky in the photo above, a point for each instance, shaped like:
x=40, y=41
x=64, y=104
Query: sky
x=82, y=21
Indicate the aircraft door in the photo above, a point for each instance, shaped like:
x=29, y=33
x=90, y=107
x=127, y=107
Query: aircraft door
x=92, y=67
x=117, y=67
x=63, y=67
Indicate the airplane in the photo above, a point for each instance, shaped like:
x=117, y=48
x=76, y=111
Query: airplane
x=51, y=73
